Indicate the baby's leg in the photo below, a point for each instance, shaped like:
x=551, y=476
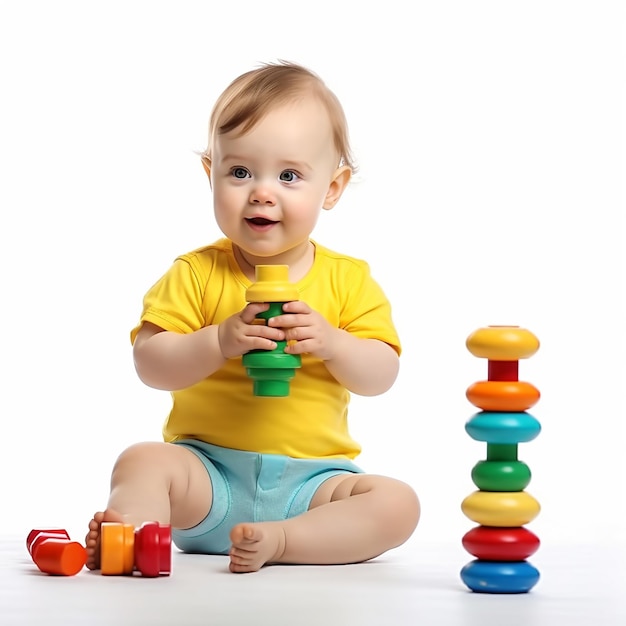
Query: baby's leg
x=153, y=482
x=352, y=518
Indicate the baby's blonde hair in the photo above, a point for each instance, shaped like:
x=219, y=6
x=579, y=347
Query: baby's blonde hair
x=253, y=94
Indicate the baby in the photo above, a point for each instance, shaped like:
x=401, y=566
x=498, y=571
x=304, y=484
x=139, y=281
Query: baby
x=265, y=480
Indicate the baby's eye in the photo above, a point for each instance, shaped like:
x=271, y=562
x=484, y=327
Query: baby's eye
x=240, y=172
x=288, y=176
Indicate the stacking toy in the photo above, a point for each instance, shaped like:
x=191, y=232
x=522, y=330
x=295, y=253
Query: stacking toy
x=125, y=550
x=271, y=370
x=500, y=506
x=53, y=552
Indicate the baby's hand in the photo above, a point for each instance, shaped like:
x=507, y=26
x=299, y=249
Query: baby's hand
x=239, y=333
x=305, y=330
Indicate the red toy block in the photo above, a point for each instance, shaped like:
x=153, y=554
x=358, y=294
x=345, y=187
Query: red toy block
x=54, y=553
x=153, y=549
x=33, y=534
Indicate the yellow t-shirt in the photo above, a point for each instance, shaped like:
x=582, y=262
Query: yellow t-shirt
x=206, y=287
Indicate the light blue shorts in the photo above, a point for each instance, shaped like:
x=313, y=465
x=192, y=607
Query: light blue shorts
x=251, y=487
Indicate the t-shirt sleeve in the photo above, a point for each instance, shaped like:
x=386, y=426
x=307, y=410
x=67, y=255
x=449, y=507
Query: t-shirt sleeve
x=367, y=312
x=174, y=302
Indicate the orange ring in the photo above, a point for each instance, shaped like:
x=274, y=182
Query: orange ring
x=500, y=395
x=116, y=548
x=129, y=548
x=502, y=343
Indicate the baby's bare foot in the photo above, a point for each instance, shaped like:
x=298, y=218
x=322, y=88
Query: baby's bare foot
x=254, y=545
x=92, y=539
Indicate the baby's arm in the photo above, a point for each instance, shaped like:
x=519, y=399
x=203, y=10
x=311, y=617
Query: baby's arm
x=168, y=360
x=367, y=367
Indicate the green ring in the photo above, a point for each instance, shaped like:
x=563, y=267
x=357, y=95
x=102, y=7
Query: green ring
x=501, y=475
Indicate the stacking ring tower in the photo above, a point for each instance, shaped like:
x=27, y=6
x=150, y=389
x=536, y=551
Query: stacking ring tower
x=271, y=370
x=500, y=506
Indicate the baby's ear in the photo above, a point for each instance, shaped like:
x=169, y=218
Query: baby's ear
x=206, y=164
x=339, y=182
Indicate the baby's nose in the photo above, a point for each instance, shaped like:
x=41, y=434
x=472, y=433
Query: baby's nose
x=262, y=194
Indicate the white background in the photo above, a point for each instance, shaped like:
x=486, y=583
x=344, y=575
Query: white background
x=490, y=139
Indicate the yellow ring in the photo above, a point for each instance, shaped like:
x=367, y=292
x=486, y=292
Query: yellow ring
x=502, y=343
x=500, y=508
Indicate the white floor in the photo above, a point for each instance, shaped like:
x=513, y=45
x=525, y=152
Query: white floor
x=416, y=584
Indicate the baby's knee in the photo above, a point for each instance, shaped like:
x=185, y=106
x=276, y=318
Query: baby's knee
x=140, y=454
x=413, y=504
x=402, y=505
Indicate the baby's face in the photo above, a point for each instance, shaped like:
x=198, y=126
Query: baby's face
x=270, y=184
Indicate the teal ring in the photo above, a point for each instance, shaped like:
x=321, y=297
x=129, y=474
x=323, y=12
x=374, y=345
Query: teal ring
x=503, y=428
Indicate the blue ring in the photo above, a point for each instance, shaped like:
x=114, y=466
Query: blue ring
x=500, y=576
x=502, y=428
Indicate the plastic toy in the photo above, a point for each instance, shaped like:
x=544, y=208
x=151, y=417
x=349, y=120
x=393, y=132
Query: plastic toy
x=124, y=550
x=501, y=507
x=499, y=577
x=53, y=552
x=271, y=370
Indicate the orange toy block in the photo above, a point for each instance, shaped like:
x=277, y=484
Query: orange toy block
x=116, y=548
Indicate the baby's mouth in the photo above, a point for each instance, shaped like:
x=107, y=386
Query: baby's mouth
x=259, y=221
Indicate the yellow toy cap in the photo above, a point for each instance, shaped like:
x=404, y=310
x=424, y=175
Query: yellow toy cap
x=272, y=285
